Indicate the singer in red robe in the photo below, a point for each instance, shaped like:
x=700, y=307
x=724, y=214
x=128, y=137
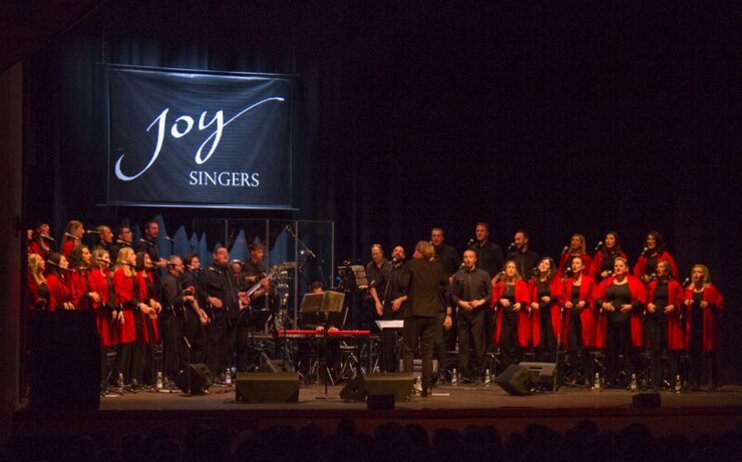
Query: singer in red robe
x=606, y=253
x=129, y=334
x=577, y=248
x=73, y=233
x=80, y=281
x=703, y=307
x=654, y=251
x=621, y=298
x=511, y=300
x=546, y=294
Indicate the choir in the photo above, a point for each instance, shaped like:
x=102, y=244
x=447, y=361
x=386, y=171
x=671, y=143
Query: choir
x=585, y=306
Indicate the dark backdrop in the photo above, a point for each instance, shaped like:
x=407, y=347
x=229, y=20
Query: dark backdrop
x=581, y=117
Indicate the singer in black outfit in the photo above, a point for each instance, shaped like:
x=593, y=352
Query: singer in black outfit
x=525, y=260
x=445, y=336
x=194, y=326
x=426, y=285
x=377, y=272
x=471, y=294
x=489, y=254
x=174, y=304
x=221, y=296
x=122, y=239
x=395, y=302
x=148, y=245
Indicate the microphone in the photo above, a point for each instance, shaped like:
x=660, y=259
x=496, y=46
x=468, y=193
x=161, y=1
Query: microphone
x=565, y=249
x=49, y=262
x=124, y=243
x=395, y=260
x=47, y=237
x=645, y=250
x=71, y=236
x=511, y=246
x=534, y=273
x=470, y=243
x=598, y=246
x=685, y=282
x=653, y=276
x=170, y=239
x=92, y=231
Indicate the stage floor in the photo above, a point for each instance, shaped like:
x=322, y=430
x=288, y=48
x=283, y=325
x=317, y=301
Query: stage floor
x=691, y=413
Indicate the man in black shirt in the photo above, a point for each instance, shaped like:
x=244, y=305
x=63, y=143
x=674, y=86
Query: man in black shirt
x=525, y=260
x=377, y=272
x=148, y=244
x=445, y=336
x=394, y=299
x=489, y=254
x=254, y=270
x=123, y=239
x=426, y=286
x=221, y=295
x=471, y=293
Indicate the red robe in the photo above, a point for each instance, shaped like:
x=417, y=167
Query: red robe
x=58, y=293
x=711, y=339
x=588, y=315
x=594, y=271
x=675, y=337
x=67, y=247
x=32, y=298
x=641, y=264
x=522, y=297
x=35, y=247
x=80, y=284
x=638, y=293
x=145, y=299
x=125, y=296
x=103, y=319
x=567, y=257
x=552, y=309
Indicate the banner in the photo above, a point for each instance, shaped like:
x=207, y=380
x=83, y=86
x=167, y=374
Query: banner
x=191, y=138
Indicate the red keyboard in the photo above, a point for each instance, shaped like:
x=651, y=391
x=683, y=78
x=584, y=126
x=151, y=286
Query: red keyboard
x=349, y=333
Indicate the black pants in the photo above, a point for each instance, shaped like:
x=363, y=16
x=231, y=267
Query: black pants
x=172, y=343
x=194, y=351
x=132, y=356
x=655, y=341
x=442, y=340
x=548, y=342
x=509, y=346
x=697, y=358
x=471, y=333
x=577, y=353
x=419, y=331
x=618, y=340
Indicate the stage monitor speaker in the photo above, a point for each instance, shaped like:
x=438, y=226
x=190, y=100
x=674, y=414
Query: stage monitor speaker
x=517, y=380
x=267, y=387
x=200, y=379
x=396, y=384
x=646, y=400
x=544, y=375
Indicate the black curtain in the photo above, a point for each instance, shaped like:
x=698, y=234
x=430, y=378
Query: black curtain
x=553, y=118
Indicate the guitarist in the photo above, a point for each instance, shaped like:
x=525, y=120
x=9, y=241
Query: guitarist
x=253, y=272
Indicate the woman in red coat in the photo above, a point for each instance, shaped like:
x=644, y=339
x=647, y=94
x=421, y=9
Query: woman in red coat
x=579, y=321
x=41, y=242
x=602, y=264
x=577, y=248
x=148, y=315
x=546, y=310
x=38, y=293
x=56, y=282
x=662, y=330
x=654, y=251
x=83, y=294
x=73, y=233
x=510, y=300
x=703, y=306
x=128, y=333
x=621, y=298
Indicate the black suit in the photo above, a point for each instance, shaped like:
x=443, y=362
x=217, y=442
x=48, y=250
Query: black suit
x=426, y=285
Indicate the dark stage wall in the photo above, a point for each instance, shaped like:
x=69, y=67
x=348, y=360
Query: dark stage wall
x=555, y=118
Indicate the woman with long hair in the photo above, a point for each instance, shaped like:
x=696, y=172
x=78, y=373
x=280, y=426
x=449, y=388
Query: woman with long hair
x=150, y=328
x=621, y=298
x=654, y=252
x=703, y=306
x=602, y=264
x=38, y=292
x=57, y=269
x=73, y=233
x=546, y=294
x=511, y=302
x=579, y=321
x=83, y=295
x=41, y=242
x=662, y=330
x=577, y=248
x=128, y=332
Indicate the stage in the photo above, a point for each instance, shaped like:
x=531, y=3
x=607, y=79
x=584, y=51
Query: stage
x=691, y=413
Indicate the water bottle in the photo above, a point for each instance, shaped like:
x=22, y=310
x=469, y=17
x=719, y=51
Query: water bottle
x=120, y=380
x=678, y=384
x=159, y=380
x=632, y=384
x=487, y=378
x=596, y=383
x=454, y=377
x=418, y=385
x=228, y=377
